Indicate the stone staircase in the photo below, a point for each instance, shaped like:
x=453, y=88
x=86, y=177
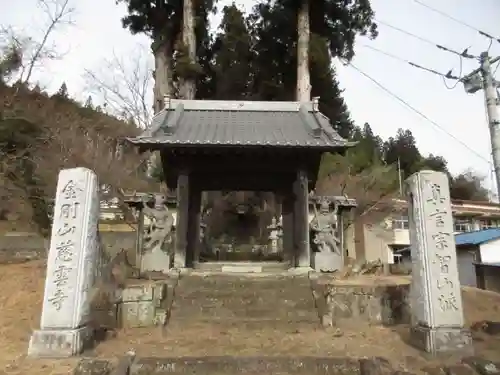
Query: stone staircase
x=253, y=324
x=207, y=304
x=223, y=300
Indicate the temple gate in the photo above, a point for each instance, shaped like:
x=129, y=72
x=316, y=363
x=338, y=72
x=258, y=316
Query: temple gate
x=237, y=145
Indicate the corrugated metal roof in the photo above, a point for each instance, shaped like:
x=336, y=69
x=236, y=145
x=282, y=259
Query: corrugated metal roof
x=469, y=238
x=190, y=123
x=477, y=237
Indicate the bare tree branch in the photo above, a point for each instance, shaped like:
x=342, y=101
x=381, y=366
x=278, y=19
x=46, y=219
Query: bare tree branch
x=35, y=52
x=58, y=12
x=125, y=86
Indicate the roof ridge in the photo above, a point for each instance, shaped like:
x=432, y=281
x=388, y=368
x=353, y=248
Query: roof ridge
x=240, y=105
x=313, y=126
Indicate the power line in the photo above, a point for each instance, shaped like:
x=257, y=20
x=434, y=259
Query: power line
x=429, y=70
x=495, y=71
x=464, y=53
x=444, y=14
x=406, y=104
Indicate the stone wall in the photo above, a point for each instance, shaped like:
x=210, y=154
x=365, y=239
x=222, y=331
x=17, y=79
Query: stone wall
x=385, y=303
x=140, y=303
x=26, y=246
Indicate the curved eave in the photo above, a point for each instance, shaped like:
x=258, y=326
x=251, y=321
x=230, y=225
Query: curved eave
x=151, y=145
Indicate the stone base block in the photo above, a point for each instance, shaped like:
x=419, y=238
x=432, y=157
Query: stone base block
x=443, y=340
x=327, y=262
x=377, y=300
x=156, y=260
x=144, y=304
x=58, y=343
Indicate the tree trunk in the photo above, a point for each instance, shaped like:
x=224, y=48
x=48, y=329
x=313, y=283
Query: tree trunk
x=188, y=86
x=162, y=51
x=303, y=37
x=163, y=86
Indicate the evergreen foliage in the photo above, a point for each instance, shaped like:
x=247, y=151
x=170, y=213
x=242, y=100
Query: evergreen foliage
x=255, y=57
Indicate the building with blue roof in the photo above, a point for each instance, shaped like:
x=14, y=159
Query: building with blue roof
x=478, y=247
x=477, y=237
x=482, y=249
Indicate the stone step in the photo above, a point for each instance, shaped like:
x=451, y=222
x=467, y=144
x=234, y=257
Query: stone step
x=244, y=298
x=241, y=267
x=249, y=326
x=237, y=304
x=246, y=365
x=220, y=298
x=219, y=282
x=263, y=316
x=238, y=310
x=224, y=296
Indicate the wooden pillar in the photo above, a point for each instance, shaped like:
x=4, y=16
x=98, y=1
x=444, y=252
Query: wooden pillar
x=140, y=239
x=193, y=231
x=301, y=220
x=287, y=209
x=359, y=240
x=348, y=234
x=341, y=233
x=181, y=229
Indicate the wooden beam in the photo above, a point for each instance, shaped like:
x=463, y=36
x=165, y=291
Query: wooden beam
x=193, y=228
x=301, y=219
x=181, y=228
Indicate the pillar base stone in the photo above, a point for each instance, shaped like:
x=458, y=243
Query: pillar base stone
x=300, y=270
x=442, y=340
x=59, y=343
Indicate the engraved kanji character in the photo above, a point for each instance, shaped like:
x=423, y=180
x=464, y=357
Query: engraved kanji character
x=65, y=229
x=69, y=210
x=443, y=262
x=438, y=216
x=436, y=194
x=71, y=190
x=444, y=282
x=441, y=240
x=65, y=251
x=61, y=275
x=57, y=299
x=448, y=302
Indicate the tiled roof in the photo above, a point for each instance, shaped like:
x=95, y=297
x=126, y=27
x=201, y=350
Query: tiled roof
x=477, y=237
x=232, y=123
x=338, y=199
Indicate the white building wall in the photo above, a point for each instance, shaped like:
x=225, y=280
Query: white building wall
x=490, y=251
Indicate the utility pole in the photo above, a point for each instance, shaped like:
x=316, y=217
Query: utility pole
x=483, y=79
x=400, y=178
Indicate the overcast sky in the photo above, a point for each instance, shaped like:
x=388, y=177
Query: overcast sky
x=98, y=35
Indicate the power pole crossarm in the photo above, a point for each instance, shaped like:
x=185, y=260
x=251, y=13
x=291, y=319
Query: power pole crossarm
x=478, y=70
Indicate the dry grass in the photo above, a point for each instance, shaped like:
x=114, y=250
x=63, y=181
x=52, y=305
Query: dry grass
x=20, y=300
x=21, y=297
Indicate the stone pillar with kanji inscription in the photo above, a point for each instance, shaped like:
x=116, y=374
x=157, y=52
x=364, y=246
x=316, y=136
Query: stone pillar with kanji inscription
x=71, y=267
x=436, y=302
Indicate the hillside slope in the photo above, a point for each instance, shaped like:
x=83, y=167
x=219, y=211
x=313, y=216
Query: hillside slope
x=40, y=135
